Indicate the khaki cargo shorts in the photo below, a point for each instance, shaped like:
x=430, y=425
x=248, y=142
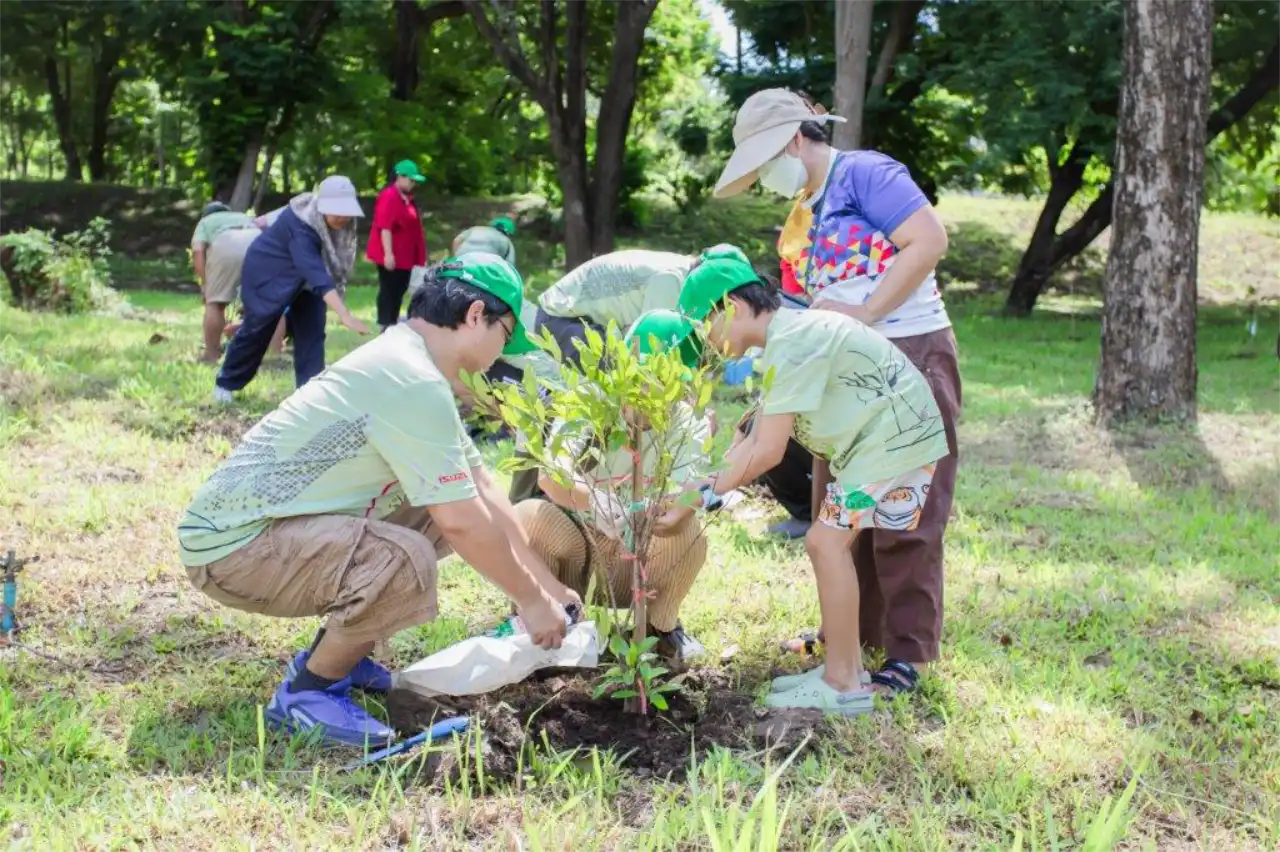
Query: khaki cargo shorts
x=371, y=578
x=224, y=263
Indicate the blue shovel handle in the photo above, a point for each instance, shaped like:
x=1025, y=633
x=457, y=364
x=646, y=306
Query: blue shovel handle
x=438, y=731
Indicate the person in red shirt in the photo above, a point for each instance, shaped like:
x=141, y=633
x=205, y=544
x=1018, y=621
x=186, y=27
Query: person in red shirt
x=396, y=241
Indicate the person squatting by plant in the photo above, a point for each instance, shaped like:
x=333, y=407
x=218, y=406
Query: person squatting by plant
x=341, y=501
x=221, y=239
x=578, y=529
x=396, y=241
x=300, y=264
x=863, y=240
x=850, y=396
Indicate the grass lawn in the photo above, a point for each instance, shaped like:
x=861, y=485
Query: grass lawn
x=1113, y=619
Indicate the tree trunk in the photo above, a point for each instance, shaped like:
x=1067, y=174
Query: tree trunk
x=560, y=89
x=404, y=62
x=1097, y=217
x=105, y=81
x=1037, y=261
x=62, y=118
x=853, y=44
x=242, y=190
x=1148, y=365
x=615, y=118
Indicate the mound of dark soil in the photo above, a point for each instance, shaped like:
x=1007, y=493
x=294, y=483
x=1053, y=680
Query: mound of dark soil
x=559, y=707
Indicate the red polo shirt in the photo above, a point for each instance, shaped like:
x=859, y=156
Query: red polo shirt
x=399, y=215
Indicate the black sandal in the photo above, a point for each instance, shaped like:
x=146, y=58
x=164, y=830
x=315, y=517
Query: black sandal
x=806, y=644
x=898, y=675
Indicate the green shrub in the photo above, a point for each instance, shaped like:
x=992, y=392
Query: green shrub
x=65, y=274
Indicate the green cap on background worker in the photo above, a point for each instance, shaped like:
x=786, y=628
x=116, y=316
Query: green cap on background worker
x=659, y=330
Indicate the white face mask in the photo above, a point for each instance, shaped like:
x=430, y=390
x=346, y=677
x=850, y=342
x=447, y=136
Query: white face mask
x=784, y=175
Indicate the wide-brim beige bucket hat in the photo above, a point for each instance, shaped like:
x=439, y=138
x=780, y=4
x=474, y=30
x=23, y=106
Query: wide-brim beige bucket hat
x=766, y=122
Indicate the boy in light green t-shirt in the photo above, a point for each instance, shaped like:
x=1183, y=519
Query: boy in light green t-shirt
x=849, y=396
x=340, y=502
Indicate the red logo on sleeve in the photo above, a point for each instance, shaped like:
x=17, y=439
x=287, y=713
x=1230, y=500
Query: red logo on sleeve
x=453, y=477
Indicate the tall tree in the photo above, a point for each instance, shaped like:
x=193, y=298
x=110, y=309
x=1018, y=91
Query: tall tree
x=1148, y=366
x=246, y=69
x=853, y=45
x=591, y=189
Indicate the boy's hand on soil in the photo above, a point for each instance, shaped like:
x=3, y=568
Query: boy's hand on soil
x=546, y=621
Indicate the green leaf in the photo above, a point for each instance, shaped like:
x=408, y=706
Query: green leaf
x=658, y=701
x=624, y=693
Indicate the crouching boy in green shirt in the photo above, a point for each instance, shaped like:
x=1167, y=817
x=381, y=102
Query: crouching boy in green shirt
x=341, y=501
x=848, y=395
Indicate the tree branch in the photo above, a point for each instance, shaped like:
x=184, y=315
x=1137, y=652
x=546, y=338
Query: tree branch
x=1239, y=104
x=512, y=58
x=439, y=11
x=550, y=58
x=576, y=73
x=902, y=28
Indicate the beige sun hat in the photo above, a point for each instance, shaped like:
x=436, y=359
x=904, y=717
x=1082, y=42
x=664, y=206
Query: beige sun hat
x=766, y=122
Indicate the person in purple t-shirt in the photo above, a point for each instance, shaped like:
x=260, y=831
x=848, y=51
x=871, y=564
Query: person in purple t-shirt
x=863, y=240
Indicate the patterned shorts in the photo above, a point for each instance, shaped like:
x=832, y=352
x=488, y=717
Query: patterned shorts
x=891, y=504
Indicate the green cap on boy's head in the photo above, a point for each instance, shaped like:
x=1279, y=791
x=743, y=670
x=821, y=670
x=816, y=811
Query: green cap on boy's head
x=409, y=169
x=492, y=274
x=718, y=271
x=505, y=225
x=659, y=330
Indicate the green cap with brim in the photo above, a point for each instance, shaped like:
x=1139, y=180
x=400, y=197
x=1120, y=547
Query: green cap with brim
x=659, y=330
x=409, y=169
x=505, y=225
x=719, y=271
x=492, y=274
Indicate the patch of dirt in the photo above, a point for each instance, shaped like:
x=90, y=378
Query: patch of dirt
x=706, y=714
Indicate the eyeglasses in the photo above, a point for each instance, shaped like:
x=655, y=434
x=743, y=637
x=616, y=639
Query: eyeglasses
x=507, y=333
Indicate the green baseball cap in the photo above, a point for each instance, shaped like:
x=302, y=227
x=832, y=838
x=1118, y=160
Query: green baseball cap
x=718, y=271
x=505, y=225
x=665, y=329
x=409, y=169
x=492, y=274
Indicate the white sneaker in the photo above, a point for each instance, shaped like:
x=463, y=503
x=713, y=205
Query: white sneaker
x=222, y=396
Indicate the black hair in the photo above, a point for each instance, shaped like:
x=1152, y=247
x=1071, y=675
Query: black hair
x=444, y=301
x=760, y=296
x=813, y=131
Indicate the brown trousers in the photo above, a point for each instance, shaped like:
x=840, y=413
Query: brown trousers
x=371, y=578
x=672, y=565
x=900, y=573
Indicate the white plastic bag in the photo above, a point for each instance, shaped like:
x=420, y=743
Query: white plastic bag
x=485, y=663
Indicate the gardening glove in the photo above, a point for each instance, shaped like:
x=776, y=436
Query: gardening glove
x=608, y=513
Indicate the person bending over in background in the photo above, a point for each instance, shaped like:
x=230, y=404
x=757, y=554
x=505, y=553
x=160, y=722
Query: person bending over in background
x=218, y=246
x=396, y=242
x=854, y=399
x=340, y=502
x=300, y=264
x=494, y=238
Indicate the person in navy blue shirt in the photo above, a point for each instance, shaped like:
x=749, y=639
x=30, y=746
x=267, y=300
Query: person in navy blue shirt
x=299, y=266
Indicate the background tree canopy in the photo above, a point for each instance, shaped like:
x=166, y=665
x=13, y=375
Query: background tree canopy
x=596, y=106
